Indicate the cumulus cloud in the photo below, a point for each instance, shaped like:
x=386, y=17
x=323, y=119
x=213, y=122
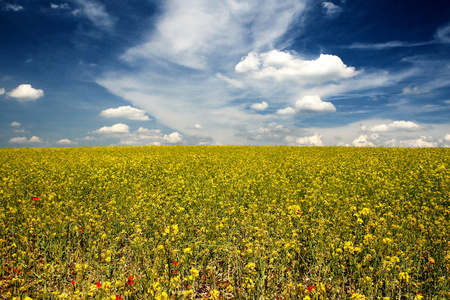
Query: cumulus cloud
x=421, y=142
x=447, y=138
x=24, y=140
x=309, y=104
x=273, y=133
x=313, y=140
x=313, y=104
x=15, y=124
x=66, y=142
x=25, y=92
x=173, y=138
x=286, y=111
x=126, y=112
x=331, y=9
x=394, y=126
x=2, y=91
x=116, y=128
x=364, y=141
x=144, y=136
x=285, y=66
x=260, y=106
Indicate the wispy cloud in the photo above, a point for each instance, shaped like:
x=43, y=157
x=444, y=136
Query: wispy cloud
x=12, y=7
x=388, y=45
x=96, y=13
x=331, y=9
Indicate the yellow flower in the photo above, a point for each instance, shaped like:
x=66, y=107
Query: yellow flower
x=194, y=272
x=187, y=250
x=357, y=296
x=250, y=266
x=403, y=276
x=214, y=294
x=418, y=297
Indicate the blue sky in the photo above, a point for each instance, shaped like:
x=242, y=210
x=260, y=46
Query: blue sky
x=266, y=72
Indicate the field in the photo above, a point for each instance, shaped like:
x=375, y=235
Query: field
x=225, y=222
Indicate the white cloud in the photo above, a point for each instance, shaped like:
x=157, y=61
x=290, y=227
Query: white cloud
x=285, y=66
x=66, y=142
x=309, y=104
x=13, y=7
x=126, y=112
x=24, y=140
x=260, y=106
x=443, y=34
x=144, y=136
x=413, y=90
x=25, y=92
x=173, y=138
x=313, y=104
x=15, y=124
x=59, y=6
x=273, y=134
x=197, y=33
x=2, y=91
x=314, y=140
x=116, y=128
x=387, y=45
x=363, y=141
x=197, y=126
x=331, y=9
x=394, y=126
x=447, y=138
x=286, y=111
x=419, y=142
x=96, y=13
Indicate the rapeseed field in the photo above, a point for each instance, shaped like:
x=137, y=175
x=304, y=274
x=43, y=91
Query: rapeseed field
x=225, y=222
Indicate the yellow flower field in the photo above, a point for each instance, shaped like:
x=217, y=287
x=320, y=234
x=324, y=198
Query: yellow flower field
x=225, y=222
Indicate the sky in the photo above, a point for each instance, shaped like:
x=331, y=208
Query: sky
x=225, y=72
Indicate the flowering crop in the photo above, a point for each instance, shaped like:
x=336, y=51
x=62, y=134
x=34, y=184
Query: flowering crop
x=224, y=222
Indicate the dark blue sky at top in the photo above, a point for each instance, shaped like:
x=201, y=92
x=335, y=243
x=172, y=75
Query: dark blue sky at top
x=64, y=52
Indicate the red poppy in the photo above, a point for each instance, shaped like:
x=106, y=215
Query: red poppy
x=130, y=280
x=189, y=286
x=118, y=297
x=174, y=271
x=36, y=198
x=175, y=263
x=81, y=229
x=72, y=281
x=17, y=271
x=98, y=284
x=311, y=288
